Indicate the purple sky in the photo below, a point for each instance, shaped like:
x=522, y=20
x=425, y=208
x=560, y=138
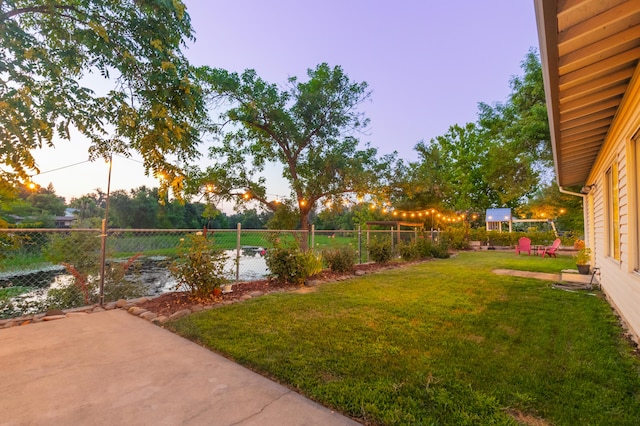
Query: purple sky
x=428, y=65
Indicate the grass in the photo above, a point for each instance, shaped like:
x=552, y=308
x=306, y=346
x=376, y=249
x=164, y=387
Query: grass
x=9, y=292
x=124, y=245
x=443, y=342
x=20, y=261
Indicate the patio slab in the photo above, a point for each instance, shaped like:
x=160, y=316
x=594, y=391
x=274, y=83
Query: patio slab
x=111, y=368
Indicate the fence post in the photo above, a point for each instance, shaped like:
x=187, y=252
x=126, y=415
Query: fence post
x=392, y=245
x=103, y=254
x=360, y=244
x=313, y=238
x=368, y=239
x=238, y=235
x=103, y=259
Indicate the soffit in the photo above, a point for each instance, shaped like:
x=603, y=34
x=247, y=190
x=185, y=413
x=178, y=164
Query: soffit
x=590, y=50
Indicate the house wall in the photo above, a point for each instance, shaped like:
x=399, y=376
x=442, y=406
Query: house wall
x=620, y=278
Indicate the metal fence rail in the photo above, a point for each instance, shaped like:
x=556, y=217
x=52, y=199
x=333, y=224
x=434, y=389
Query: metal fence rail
x=36, y=263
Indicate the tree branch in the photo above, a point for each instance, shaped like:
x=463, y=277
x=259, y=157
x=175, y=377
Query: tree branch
x=35, y=9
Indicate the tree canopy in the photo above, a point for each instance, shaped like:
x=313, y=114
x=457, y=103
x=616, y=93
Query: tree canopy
x=498, y=161
x=309, y=128
x=111, y=70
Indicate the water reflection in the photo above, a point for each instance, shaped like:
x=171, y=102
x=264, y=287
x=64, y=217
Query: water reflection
x=152, y=271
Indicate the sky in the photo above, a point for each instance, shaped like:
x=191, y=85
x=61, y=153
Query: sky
x=428, y=64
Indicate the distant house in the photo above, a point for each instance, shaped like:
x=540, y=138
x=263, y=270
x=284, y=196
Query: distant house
x=64, y=221
x=60, y=221
x=590, y=52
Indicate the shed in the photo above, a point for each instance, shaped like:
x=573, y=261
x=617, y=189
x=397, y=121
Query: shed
x=496, y=217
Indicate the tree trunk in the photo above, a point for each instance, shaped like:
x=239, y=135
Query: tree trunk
x=304, y=226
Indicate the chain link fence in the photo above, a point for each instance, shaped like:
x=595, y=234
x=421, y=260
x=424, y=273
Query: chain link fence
x=42, y=269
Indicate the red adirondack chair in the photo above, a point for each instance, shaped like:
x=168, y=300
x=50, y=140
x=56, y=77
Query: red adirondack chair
x=551, y=250
x=524, y=245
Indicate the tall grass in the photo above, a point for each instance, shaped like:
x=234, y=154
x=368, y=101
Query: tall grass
x=442, y=342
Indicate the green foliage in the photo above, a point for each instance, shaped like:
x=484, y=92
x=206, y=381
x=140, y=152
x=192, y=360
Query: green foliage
x=439, y=343
x=152, y=103
x=583, y=257
x=70, y=296
x=8, y=245
x=290, y=265
x=496, y=161
x=423, y=248
x=80, y=249
x=9, y=292
x=284, y=217
x=479, y=234
x=312, y=264
x=408, y=250
x=340, y=259
x=380, y=250
x=428, y=249
x=122, y=281
x=307, y=127
x=566, y=209
x=496, y=238
x=337, y=217
x=456, y=238
x=199, y=266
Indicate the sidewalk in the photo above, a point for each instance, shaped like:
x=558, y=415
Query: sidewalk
x=114, y=368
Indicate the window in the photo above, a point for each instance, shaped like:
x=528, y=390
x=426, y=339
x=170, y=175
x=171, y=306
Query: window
x=635, y=213
x=613, y=213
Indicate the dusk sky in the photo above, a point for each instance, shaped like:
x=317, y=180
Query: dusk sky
x=428, y=65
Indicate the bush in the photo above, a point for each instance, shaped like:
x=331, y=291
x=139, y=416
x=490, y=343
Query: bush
x=199, y=266
x=70, y=296
x=290, y=265
x=408, y=250
x=429, y=249
x=478, y=234
x=456, y=238
x=380, y=250
x=497, y=238
x=340, y=259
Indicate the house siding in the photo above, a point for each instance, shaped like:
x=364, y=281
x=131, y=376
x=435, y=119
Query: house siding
x=619, y=280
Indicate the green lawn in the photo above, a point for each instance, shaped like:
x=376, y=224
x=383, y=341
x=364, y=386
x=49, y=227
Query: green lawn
x=442, y=342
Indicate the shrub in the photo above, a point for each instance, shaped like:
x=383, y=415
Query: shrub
x=290, y=265
x=583, y=257
x=380, y=250
x=199, y=266
x=456, y=238
x=408, y=250
x=340, y=259
x=70, y=296
x=311, y=264
x=497, y=238
x=122, y=281
x=478, y=234
x=429, y=249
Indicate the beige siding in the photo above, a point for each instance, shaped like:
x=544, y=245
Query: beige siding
x=624, y=204
x=619, y=280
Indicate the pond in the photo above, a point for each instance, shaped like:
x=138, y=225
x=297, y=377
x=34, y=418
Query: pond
x=152, y=271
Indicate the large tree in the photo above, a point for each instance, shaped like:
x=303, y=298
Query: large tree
x=110, y=69
x=521, y=123
x=498, y=161
x=309, y=128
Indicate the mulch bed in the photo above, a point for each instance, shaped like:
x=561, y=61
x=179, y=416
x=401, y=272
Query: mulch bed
x=168, y=303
